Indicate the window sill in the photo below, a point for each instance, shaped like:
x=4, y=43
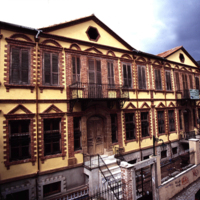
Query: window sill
x=8, y=86
x=167, y=91
x=160, y=134
x=132, y=140
x=42, y=87
x=146, y=137
x=78, y=151
x=9, y=163
x=172, y=132
x=53, y=156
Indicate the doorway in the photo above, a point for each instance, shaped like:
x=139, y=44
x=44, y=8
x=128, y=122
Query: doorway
x=186, y=120
x=95, y=135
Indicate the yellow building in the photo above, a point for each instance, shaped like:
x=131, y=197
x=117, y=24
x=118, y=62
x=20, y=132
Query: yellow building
x=77, y=89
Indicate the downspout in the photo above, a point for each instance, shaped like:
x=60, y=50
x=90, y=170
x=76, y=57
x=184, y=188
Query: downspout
x=36, y=86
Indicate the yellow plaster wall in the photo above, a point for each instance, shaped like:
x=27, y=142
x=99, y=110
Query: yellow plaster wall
x=146, y=142
x=144, y=95
x=79, y=157
x=78, y=31
x=131, y=146
x=175, y=57
x=173, y=136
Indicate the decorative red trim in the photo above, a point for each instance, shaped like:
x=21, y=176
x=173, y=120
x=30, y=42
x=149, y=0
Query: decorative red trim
x=19, y=35
x=76, y=46
x=19, y=107
x=8, y=86
x=184, y=68
x=110, y=52
x=130, y=105
x=171, y=104
x=97, y=32
x=54, y=42
x=52, y=107
x=156, y=62
x=126, y=56
x=160, y=105
x=140, y=59
x=93, y=49
x=167, y=65
x=145, y=104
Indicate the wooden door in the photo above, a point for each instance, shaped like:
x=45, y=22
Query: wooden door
x=95, y=137
x=186, y=121
x=95, y=86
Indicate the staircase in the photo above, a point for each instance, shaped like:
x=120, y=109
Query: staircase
x=111, y=174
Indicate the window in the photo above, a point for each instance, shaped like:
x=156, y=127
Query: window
x=168, y=80
x=93, y=33
x=163, y=154
x=19, y=70
x=52, y=136
x=114, y=127
x=127, y=77
x=77, y=133
x=158, y=81
x=171, y=120
x=174, y=150
x=18, y=195
x=161, y=122
x=146, y=157
x=132, y=161
x=130, y=126
x=197, y=82
x=180, y=119
x=141, y=77
x=76, y=69
x=51, y=69
x=191, y=84
x=19, y=139
x=110, y=73
x=181, y=57
x=51, y=189
x=177, y=81
x=194, y=117
x=145, y=124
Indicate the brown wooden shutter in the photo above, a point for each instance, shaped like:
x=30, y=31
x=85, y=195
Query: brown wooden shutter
x=197, y=82
x=143, y=78
x=177, y=81
x=98, y=62
x=78, y=70
x=55, y=69
x=159, y=80
x=112, y=73
x=91, y=72
x=15, y=65
x=125, y=76
x=129, y=75
x=73, y=69
x=140, y=77
x=156, y=79
x=168, y=80
x=24, y=66
x=108, y=67
x=47, y=68
x=191, y=84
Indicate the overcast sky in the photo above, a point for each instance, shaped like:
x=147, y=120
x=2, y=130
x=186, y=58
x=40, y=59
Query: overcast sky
x=152, y=26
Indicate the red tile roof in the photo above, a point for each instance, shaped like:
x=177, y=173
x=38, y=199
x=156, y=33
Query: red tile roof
x=169, y=52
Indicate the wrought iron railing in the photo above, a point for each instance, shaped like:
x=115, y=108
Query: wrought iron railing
x=81, y=90
x=115, y=186
x=189, y=135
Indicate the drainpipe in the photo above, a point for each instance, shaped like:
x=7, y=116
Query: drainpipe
x=36, y=86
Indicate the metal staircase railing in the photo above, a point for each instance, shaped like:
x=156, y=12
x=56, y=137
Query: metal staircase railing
x=110, y=179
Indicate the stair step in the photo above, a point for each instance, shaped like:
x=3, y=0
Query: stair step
x=113, y=167
x=106, y=174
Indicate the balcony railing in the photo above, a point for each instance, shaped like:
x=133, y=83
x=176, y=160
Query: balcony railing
x=189, y=135
x=186, y=94
x=80, y=90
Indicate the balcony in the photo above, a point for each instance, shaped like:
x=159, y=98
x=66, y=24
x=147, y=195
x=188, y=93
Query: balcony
x=192, y=94
x=97, y=91
x=88, y=92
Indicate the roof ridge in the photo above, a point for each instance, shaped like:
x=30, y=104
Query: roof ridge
x=168, y=52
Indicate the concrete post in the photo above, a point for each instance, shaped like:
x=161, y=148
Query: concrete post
x=194, y=144
x=158, y=171
x=93, y=179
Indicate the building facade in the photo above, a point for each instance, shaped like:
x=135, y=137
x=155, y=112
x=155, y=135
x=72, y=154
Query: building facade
x=77, y=89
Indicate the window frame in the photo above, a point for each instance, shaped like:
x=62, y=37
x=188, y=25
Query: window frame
x=177, y=77
x=21, y=49
x=51, y=192
x=130, y=122
x=78, y=129
x=77, y=76
x=166, y=81
x=161, y=119
x=51, y=68
x=180, y=119
x=145, y=120
x=197, y=82
x=173, y=119
x=131, y=80
x=110, y=67
x=156, y=86
x=142, y=85
x=114, y=128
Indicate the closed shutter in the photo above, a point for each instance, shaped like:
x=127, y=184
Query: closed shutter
x=98, y=72
x=25, y=66
x=197, y=82
x=91, y=72
x=168, y=81
x=191, y=84
x=47, y=68
x=55, y=69
x=143, y=78
x=110, y=73
x=78, y=69
x=140, y=77
x=177, y=81
x=73, y=70
x=158, y=79
x=125, y=76
x=129, y=75
x=15, y=65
